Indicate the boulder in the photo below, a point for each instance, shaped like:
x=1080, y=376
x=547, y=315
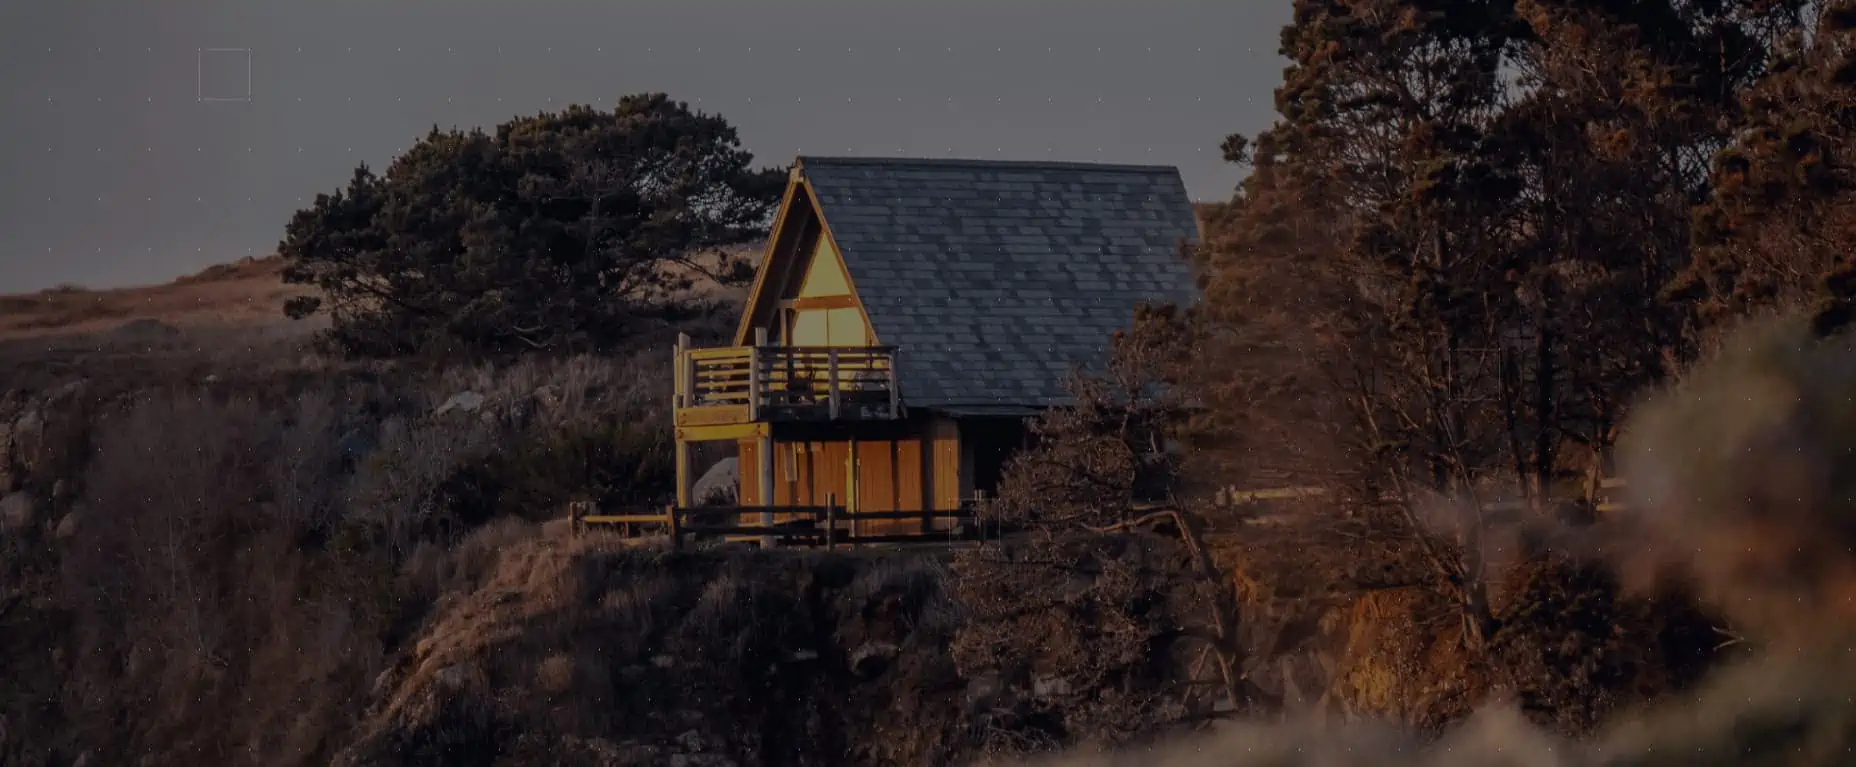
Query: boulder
x=28, y=440
x=982, y=689
x=465, y=402
x=871, y=658
x=356, y=443
x=717, y=486
x=17, y=513
x=67, y=527
x=454, y=677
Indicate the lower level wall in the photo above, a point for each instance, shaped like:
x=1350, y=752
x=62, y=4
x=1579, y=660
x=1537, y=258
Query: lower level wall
x=914, y=473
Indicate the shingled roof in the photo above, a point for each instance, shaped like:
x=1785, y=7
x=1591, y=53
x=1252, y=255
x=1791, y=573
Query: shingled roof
x=994, y=279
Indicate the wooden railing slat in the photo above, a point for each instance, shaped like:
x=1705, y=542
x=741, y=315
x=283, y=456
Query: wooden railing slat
x=793, y=377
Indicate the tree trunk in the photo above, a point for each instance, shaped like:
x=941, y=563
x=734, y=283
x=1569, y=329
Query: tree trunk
x=1544, y=415
x=1472, y=591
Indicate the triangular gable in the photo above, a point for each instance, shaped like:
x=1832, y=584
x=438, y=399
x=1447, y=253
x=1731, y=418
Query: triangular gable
x=825, y=274
x=824, y=305
x=803, y=269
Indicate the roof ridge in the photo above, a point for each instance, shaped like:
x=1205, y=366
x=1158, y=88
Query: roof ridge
x=973, y=162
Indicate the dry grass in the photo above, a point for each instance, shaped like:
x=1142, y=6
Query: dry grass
x=244, y=293
x=245, y=538
x=549, y=648
x=300, y=562
x=303, y=563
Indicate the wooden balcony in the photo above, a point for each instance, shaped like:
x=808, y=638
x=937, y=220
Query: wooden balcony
x=759, y=384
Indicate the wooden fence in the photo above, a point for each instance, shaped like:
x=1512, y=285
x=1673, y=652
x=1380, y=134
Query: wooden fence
x=829, y=525
x=1608, y=488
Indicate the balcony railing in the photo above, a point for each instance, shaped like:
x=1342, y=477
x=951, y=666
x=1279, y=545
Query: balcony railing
x=788, y=383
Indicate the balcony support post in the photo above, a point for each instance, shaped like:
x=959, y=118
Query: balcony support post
x=765, y=470
x=684, y=383
x=895, y=393
x=831, y=372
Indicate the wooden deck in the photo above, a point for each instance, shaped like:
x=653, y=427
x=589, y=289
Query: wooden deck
x=763, y=384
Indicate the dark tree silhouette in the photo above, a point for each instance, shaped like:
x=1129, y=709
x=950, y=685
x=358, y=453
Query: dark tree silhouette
x=563, y=231
x=1439, y=288
x=1777, y=231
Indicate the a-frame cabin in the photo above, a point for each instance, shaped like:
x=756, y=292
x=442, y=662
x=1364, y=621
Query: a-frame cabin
x=909, y=315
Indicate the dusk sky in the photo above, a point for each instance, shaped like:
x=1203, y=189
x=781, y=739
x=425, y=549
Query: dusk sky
x=140, y=140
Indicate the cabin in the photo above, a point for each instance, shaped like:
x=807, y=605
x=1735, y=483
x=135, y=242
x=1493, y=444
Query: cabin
x=909, y=315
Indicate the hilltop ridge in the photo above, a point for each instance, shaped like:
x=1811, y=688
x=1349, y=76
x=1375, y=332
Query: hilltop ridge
x=249, y=291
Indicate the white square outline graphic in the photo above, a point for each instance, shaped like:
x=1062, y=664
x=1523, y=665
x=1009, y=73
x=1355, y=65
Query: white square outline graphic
x=199, y=74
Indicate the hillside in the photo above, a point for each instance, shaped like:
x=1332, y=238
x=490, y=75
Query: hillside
x=246, y=292
x=219, y=547
x=244, y=295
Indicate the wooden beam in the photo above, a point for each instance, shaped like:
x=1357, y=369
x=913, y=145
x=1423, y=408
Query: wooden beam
x=714, y=415
x=770, y=256
x=626, y=519
x=755, y=382
x=766, y=486
x=685, y=482
x=679, y=400
x=821, y=302
x=721, y=432
x=678, y=362
x=855, y=504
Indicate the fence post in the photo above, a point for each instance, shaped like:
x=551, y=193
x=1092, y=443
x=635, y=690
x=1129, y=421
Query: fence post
x=831, y=521
x=671, y=514
x=979, y=523
x=854, y=488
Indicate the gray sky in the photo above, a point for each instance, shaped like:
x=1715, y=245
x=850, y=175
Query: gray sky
x=117, y=173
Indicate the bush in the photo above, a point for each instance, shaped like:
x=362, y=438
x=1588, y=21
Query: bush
x=1574, y=648
x=276, y=538
x=1084, y=638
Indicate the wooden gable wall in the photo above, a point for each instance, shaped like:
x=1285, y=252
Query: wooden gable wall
x=803, y=294
x=821, y=309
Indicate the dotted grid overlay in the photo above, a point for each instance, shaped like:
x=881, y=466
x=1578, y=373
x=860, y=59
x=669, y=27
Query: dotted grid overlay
x=226, y=76
x=223, y=74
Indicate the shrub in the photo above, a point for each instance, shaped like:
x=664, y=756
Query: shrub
x=1575, y=648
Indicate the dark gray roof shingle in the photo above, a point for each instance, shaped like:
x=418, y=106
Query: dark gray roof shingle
x=994, y=278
